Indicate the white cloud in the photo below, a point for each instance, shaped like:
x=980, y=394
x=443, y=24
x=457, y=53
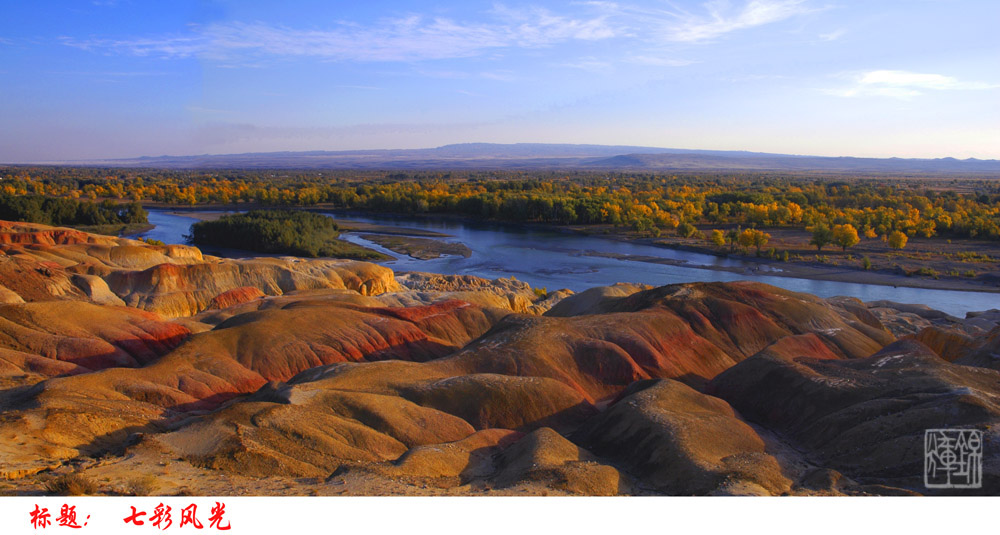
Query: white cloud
x=904, y=84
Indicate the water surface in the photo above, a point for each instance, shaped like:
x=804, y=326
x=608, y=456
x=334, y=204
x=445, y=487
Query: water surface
x=553, y=260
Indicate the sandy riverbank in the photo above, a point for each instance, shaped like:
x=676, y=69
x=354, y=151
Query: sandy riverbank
x=419, y=248
x=944, y=261
x=797, y=271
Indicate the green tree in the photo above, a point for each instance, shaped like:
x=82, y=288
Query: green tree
x=733, y=237
x=822, y=235
x=686, y=230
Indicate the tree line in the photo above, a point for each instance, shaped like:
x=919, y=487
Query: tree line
x=645, y=202
x=63, y=211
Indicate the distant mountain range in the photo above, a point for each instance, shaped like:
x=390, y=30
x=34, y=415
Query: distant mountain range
x=557, y=156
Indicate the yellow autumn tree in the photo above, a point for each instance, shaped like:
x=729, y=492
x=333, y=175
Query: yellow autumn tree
x=897, y=240
x=752, y=237
x=845, y=236
x=718, y=238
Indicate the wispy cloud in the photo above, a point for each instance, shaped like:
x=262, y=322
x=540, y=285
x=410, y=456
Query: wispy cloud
x=361, y=87
x=408, y=38
x=223, y=136
x=418, y=37
x=210, y=111
x=539, y=27
x=720, y=17
x=833, y=36
x=904, y=84
x=111, y=74
x=590, y=64
x=658, y=61
x=500, y=76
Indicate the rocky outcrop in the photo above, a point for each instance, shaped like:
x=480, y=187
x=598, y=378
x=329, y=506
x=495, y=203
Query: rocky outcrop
x=20, y=368
x=984, y=321
x=466, y=459
x=544, y=456
x=865, y=418
x=312, y=435
x=96, y=290
x=690, y=332
x=680, y=441
x=950, y=343
x=268, y=342
x=42, y=263
x=236, y=296
x=950, y=337
x=335, y=416
x=594, y=300
x=15, y=233
x=549, y=300
x=87, y=335
x=509, y=294
x=491, y=400
x=524, y=373
x=280, y=367
x=25, y=278
x=175, y=290
x=984, y=352
x=904, y=319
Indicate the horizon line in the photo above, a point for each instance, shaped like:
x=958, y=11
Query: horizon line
x=86, y=162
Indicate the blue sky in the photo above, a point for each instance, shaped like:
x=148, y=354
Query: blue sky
x=124, y=78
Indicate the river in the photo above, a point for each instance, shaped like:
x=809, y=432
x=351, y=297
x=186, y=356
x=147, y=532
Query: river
x=554, y=260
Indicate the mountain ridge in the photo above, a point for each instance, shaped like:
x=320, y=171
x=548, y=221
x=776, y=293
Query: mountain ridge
x=526, y=156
